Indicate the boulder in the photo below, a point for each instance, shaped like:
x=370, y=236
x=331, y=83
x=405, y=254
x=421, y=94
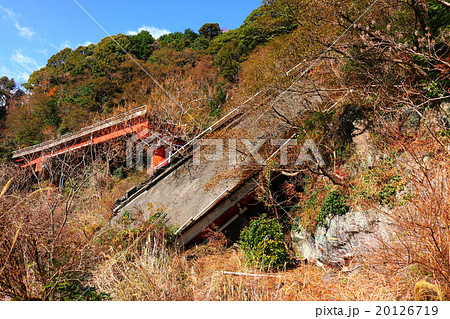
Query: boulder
x=341, y=239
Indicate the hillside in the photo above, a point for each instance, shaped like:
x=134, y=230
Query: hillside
x=363, y=84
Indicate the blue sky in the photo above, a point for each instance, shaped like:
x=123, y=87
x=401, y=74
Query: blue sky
x=32, y=31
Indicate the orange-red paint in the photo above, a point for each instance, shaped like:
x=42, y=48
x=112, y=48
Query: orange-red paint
x=141, y=129
x=159, y=156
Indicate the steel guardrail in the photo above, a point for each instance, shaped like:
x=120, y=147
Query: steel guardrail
x=17, y=153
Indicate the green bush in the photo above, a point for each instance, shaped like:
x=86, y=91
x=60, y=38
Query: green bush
x=263, y=243
x=119, y=173
x=74, y=290
x=384, y=186
x=334, y=204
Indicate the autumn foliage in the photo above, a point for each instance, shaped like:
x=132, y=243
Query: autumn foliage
x=374, y=70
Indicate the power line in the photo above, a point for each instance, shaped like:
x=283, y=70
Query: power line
x=314, y=62
x=134, y=60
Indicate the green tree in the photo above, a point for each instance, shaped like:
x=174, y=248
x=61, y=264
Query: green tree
x=200, y=44
x=179, y=41
x=59, y=59
x=210, y=30
x=263, y=243
x=230, y=49
x=141, y=44
x=189, y=37
x=7, y=84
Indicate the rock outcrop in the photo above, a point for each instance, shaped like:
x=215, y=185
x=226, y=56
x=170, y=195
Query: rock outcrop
x=342, y=239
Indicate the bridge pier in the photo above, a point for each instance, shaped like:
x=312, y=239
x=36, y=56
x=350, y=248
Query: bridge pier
x=159, y=157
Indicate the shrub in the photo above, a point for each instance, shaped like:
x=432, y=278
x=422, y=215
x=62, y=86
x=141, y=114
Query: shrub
x=383, y=185
x=74, y=290
x=333, y=205
x=418, y=234
x=263, y=243
x=425, y=291
x=119, y=173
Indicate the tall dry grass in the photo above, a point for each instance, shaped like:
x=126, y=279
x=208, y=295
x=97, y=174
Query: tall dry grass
x=220, y=274
x=154, y=273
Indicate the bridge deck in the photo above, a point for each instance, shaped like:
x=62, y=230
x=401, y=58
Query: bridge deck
x=196, y=196
x=84, y=132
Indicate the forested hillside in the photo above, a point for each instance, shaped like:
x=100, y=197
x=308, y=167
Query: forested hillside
x=79, y=86
x=380, y=117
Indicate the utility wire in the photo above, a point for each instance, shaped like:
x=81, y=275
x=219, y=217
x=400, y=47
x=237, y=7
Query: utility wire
x=313, y=62
x=134, y=60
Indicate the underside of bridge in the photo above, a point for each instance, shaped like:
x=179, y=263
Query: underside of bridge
x=194, y=195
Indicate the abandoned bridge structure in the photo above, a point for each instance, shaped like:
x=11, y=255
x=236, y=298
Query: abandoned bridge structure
x=135, y=122
x=194, y=196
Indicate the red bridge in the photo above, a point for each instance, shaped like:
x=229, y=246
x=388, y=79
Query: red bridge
x=136, y=121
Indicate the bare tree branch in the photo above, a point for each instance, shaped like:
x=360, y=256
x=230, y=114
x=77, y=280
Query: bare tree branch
x=444, y=3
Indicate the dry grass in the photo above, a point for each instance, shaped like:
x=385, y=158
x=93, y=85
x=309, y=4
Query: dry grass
x=199, y=274
x=117, y=189
x=304, y=283
x=94, y=204
x=154, y=274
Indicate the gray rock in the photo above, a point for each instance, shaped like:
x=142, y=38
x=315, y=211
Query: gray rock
x=343, y=238
x=303, y=245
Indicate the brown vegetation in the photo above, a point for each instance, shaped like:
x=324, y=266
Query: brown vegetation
x=389, y=74
x=219, y=274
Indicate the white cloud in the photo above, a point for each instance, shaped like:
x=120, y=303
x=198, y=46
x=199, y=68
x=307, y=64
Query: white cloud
x=25, y=32
x=23, y=76
x=29, y=64
x=43, y=51
x=5, y=71
x=65, y=44
x=86, y=44
x=19, y=77
x=155, y=32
